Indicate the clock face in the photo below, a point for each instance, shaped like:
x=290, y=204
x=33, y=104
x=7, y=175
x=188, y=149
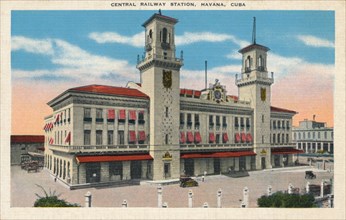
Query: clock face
x=217, y=94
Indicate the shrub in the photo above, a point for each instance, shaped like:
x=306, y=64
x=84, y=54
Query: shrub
x=51, y=200
x=284, y=200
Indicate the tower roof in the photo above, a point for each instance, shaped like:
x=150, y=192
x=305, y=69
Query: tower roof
x=162, y=18
x=252, y=47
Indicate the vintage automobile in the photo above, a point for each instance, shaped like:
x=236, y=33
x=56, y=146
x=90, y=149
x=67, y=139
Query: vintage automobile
x=309, y=175
x=186, y=181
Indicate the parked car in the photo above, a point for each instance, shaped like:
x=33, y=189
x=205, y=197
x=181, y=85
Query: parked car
x=186, y=181
x=309, y=175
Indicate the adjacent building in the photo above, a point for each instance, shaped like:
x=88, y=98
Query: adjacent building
x=314, y=137
x=156, y=130
x=26, y=147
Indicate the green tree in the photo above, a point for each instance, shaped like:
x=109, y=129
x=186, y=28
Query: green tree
x=51, y=200
x=284, y=200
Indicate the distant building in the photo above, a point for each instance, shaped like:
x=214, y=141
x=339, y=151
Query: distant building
x=156, y=130
x=26, y=147
x=312, y=136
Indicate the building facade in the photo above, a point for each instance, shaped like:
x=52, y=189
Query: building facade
x=156, y=130
x=313, y=137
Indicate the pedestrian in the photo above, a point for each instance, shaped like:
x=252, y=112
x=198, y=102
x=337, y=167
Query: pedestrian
x=56, y=176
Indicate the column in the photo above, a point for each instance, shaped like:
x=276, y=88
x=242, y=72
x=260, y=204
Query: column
x=219, y=194
x=281, y=160
x=104, y=172
x=159, y=196
x=248, y=163
x=236, y=163
x=190, y=195
x=328, y=147
x=87, y=199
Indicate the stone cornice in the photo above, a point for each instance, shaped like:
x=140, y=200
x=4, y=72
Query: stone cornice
x=174, y=65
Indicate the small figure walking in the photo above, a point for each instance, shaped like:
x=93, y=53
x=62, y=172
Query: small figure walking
x=56, y=176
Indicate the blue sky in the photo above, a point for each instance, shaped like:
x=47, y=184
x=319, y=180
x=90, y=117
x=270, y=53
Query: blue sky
x=55, y=50
x=279, y=30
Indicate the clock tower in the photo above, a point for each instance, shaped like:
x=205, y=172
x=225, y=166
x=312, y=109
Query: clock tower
x=160, y=80
x=254, y=85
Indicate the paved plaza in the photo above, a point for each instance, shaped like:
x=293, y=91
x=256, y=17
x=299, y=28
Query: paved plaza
x=23, y=189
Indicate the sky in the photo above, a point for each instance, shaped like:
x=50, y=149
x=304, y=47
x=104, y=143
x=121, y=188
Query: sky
x=52, y=51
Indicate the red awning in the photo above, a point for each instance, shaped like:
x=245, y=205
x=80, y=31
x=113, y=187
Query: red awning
x=45, y=127
x=286, y=150
x=198, y=138
x=51, y=125
x=68, y=138
x=217, y=154
x=132, y=115
x=109, y=158
x=243, y=137
x=122, y=114
x=141, y=135
x=237, y=137
x=197, y=94
x=188, y=92
x=51, y=141
x=211, y=138
x=189, y=137
x=132, y=136
x=182, y=137
x=111, y=114
x=57, y=118
x=225, y=137
x=249, y=137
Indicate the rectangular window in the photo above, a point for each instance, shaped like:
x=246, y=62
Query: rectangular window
x=196, y=121
x=262, y=139
x=141, y=117
x=182, y=119
x=86, y=137
x=274, y=140
x=189, y=120
x=218, y=121
x=121, y=137
x=166, y=139
x=166, y=112
x=236, y=122
x=87, y=114
x=99, y=115
x=287, y=138
x=248, y=123
x=262, y=118
x=110, y=137
x=242, y=122
x=325, y=135
x=68, y=115
x=287, y=125
x=224, y=121
x=65, y=116
x=319, y=135
x=99, y=137
x=211, y=121
x=132, y=116
x=110, y=115
x=217, y=138
x=167, y=170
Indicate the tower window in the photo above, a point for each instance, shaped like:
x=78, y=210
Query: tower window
x=166, y=139
x=164, y=37
x=262, y=118
x=260, y=63
x=166, y=112
x=247, y=64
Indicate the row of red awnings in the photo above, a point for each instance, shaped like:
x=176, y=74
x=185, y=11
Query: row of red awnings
x=110, y=158
x=283, y=150
x=243, y=138
x=196, y=138
x=122, y=114
x=48, y=126
x=141, y=136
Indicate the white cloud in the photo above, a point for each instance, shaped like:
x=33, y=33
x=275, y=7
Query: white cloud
x=32, y=45
x=313, y=41
x=190, y=38
x=234, y=55
x=136, y=40
x=73, y=62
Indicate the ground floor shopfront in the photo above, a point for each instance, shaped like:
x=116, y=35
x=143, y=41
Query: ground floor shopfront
x=94, y=169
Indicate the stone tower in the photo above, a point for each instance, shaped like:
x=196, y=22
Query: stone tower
x=254, y=85
x=160, y=80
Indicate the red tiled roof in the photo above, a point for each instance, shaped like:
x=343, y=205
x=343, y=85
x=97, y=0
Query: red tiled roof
x=276, y=109
x=218, y=154
x=109, y=158
x=111, y=90
x=27, y=139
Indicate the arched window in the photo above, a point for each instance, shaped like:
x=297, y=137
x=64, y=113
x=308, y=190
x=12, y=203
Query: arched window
x=283, y=138
x=260, y=61
x=278, y=138
x=247, y=64
x=150, y=36
x=274, y=138
x=164, y=35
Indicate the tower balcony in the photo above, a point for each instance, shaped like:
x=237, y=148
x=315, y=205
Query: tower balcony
x=262, y=77
x=147, y=61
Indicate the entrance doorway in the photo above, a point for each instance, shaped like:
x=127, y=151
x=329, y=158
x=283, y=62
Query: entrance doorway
x=189, y=167
x=217, y=166
x=136, y=169
x=263, y=163
x=93, y=172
